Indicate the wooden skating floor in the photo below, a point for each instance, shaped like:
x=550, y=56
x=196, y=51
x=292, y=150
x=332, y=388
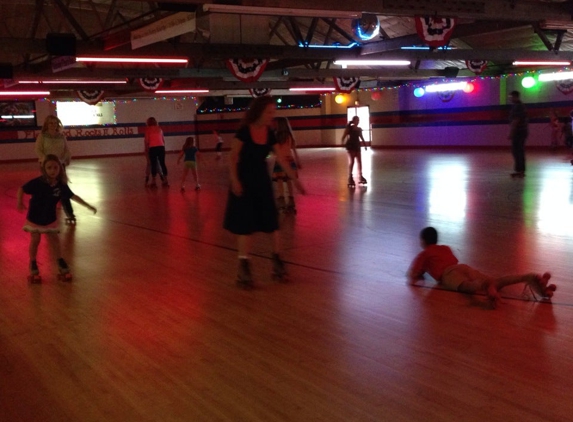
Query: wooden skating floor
x=152, y=328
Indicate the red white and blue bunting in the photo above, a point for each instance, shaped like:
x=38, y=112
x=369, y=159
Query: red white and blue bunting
x=247, y=70
x=565, y=86
x=476, y=66
x=346, y=85
x=435, y=32
x=446, y=96
x=260, y=92
x=150, y=84
x=90, y=97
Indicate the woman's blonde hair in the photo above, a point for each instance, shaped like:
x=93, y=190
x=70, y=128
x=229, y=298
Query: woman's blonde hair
x=52, y=118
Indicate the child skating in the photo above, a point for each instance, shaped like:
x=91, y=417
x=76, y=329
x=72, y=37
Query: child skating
x=286, y=144
x=190, y=153
x=351, y=140
x=443, y=266
x=46, y=191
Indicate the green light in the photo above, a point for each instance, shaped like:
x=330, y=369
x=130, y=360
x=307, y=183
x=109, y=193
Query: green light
x=528, y=82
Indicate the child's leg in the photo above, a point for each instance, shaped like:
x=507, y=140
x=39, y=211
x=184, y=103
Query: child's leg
x=351, y=157
x=185, y=171
x=359, y=162
x=54, y=241
x=196, y=175
x=33, y=248
x=243, y=245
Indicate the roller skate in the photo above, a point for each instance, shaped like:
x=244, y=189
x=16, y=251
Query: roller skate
x=34, y=276
x=164, y=181
x=146, y=180
x=244, y=278
x=71, y=221
x=362, y=180
x=64, y=271
x=182, y=189
x=279, y=272
x=540, y=287
x=351, y=183
x=152, y=184
x=281, y=204
x=291, y=208
x=197, y=186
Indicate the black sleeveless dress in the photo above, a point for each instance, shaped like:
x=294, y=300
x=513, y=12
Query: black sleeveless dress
x=255, y=210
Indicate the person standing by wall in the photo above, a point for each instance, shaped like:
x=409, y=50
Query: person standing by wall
x=518, y=133
x=155, y=145
x=52, y=141
x=251, y=205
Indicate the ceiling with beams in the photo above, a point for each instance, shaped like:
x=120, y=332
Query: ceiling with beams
x=301, y=40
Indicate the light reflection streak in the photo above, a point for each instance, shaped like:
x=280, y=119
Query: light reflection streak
x=555, y=208
x=448, y=190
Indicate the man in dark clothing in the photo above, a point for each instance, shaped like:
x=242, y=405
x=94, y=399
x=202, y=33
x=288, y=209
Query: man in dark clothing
x=518, y=134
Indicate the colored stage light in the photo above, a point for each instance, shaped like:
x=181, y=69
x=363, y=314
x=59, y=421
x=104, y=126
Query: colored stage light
x=528, y=82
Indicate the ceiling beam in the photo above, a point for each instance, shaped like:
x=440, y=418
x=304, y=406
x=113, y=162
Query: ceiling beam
x=507, y=10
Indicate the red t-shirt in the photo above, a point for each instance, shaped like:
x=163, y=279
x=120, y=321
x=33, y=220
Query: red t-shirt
x=433, y=260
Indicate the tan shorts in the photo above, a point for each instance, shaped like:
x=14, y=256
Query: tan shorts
x=455, y=275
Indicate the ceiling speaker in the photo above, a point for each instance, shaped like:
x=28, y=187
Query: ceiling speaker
x=61, y=44
x=6, y=71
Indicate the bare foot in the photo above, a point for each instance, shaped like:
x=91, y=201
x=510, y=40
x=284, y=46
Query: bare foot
x=493, y=295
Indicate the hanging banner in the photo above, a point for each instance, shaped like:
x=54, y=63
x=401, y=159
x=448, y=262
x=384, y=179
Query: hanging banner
x=150, y=84
x=346, y=85
x=247, y=70
x=90, y=97
x=435, y=32
x=476, y=66
x=260, y=92
x=565, y=86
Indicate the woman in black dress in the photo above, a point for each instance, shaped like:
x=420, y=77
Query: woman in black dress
x=251, y=206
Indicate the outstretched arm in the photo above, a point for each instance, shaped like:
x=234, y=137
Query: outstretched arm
x=80, y=201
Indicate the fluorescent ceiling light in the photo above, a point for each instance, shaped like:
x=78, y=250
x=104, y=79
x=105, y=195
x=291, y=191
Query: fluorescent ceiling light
x=131, y=60
x=314, y=88
x=76, y=81
x=182, y=91
x=305, y=45
x=18, y=116
x=454, y=86
x=280, y=11
x=559, y=76
x=371, y=62
x=18, y=93
x=541, y=63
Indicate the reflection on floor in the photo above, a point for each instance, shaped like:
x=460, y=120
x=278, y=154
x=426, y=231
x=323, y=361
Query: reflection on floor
x=152, y=328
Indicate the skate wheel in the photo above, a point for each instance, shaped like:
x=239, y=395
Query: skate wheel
x=34, y=279
x=65, y=277
x=245, y=284
x=551, y=287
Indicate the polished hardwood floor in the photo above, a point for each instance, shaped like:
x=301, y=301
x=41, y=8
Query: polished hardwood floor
x=152, y=328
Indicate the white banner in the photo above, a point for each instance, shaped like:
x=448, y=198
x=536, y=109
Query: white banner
x=75, y=113
x=169, y=27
